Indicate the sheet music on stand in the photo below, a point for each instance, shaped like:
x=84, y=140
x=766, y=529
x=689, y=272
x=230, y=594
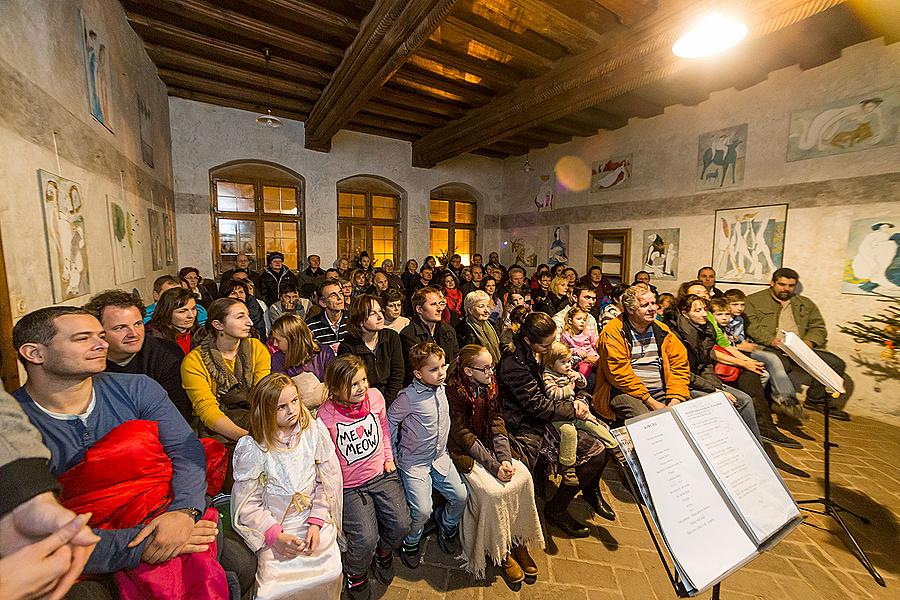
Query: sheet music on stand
x=712, y=494
x=804, y=356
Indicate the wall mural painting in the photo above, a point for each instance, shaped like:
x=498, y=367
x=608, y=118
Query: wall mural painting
x=543, y=199
x=873, y=257
x=661, y=253
x=859, y=123
x=169, y=229
x=559, y=254
x=749, y=243
x=126, y=229
x=157, y=239
x=522, y=252
x=612, y=173
x=96, y=66
x=721, y=156
x=145, y=129
x=63, y=210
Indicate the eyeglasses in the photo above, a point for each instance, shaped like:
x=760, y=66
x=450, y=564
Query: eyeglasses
x=486, y=370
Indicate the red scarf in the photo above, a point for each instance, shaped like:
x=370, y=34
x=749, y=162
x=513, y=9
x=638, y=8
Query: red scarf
x=481, y=407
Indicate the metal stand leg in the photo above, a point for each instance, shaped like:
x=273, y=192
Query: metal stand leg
x=831, y=508
x=716, y=591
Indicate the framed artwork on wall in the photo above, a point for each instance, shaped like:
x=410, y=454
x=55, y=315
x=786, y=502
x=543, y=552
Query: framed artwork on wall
x=612, y=173
x=157, y=239
x=559, y=247
x=127, y=235
x=660, y=257
x=858, y=123
x=749, y=243
x=872, y=265
x=721, y=156
x=63, y=210
x=96, y=67
x=145, y=129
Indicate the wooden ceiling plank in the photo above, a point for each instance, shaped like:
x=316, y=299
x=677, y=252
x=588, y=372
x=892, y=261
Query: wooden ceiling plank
x=394, y=112
x=320, y=17
x=358, y=127
x=509, y=148
x=391, y=94
x=629, y=12
x=392, y=31
x=389, y=124
x=181, y=61
x=169, y=35
x=492, y=71
x=190, y=94
x=568, y=128
x=490, y=153
x=599, y=119
x=526, y=140
x=239, y=23
x=471, y=92
x=542, y=136
x=227, y=90
x=559, y=24
x=589, y=79
x=489, y=36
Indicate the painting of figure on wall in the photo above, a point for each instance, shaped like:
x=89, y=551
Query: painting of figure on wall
x=661, y=253
x=749, y=243
x=96, y=65
x=559, y=246
x=858, y=123
x=169, y=229
x=63, y=211
x=157, y=239
x=127, y=241
x=145, y=131
x=612, y=173
x=873, y=257
x=523, y=253
x=721, y=156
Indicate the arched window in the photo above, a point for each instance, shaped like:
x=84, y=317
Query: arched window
x=453, y=221
x=257, y=208
x=369, y=218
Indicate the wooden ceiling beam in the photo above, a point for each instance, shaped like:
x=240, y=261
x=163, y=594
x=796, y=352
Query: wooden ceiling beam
x=183, y=61
x=629, y=12
x=564, y=128
x=492, y=71
x=392, y=31
x=321, y=18
x=236, y=22
x=169, y=35
x=253, y=107
x=227, y=90
x=625, y=61
x=496, y=37
x=509, y=148
x=598, y=119
x=385, y=133
x=559, y=25
x=542, y=136
x=490, y=153
x=474, y=94
x=524, y=140
x=403, y=114
x=393, y=95
x=390, y=124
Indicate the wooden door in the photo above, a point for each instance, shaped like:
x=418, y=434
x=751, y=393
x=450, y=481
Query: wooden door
x=9, y=371
x=609, y=249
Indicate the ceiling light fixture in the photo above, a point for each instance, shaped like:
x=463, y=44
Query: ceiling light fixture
x=527, y=168
x=710, y=35
x=268, y=119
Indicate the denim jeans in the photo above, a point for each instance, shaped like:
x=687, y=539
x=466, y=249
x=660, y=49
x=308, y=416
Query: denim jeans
x=375, y=515
x=782, y=386
x=418, y=487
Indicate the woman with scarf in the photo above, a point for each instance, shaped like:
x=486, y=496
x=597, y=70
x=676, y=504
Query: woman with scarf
x=218, y=374
x=454, y=310
x=476, y=328
x=501, y=519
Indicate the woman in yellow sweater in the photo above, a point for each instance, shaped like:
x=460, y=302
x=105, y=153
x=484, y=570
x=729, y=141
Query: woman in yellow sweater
x=218, y=374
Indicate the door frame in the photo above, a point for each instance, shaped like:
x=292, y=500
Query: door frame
x=626, y=248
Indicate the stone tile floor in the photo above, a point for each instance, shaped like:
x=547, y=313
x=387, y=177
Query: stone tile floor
x=619, y=560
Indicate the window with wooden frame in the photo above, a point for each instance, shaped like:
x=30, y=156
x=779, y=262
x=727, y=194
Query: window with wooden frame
x=257, y=208
x=453, y=222
x=368, y=219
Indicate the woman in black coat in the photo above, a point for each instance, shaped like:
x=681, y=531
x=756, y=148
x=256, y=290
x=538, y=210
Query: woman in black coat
x=528, y=412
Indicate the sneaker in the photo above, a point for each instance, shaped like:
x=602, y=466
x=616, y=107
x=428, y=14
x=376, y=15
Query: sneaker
x=773, y=436
x=357, y=586
x=569, y=477
x=835, y=413
x=383, y=566
x=409, y=554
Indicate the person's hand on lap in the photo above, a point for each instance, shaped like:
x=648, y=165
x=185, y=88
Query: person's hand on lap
x=169, y=531
x=312, y=539
x=288, y=546
x=506, y=471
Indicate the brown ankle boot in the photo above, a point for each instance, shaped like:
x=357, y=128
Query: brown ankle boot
x=520, y=553
x=512, y=572
x=569, y=476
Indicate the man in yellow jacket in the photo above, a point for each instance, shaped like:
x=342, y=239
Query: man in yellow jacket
x=642, y=366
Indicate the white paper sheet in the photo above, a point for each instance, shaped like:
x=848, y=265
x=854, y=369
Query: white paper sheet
x=702, y=533
x=738, y=463
x=803, y=355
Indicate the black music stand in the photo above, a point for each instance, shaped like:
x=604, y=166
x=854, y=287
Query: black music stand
x=830, y=508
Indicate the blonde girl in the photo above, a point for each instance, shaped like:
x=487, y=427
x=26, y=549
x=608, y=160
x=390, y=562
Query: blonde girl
x=581, y=341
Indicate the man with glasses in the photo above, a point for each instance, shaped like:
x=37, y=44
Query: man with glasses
x=330, y=326
x=426, y=326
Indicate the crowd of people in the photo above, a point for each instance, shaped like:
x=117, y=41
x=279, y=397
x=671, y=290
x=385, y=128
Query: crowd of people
x=345, y=414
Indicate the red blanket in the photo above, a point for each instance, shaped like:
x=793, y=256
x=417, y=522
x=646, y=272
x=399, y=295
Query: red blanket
x=125, y=480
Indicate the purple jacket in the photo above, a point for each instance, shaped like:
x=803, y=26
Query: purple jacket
x=316, y=365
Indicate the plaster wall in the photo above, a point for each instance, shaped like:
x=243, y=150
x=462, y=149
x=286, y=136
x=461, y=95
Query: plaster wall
x=45, y=123
x=824, y=195
x=206, y=136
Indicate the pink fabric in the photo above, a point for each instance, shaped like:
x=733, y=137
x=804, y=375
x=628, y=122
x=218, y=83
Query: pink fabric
x=185, y=577
x=585, y=368
x=352, y=430
x=585, y=341
x=272, y=534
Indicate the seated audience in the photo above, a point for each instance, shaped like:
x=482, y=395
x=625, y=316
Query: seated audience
x=377, y=347
x=454, y=298
x=476, y=328
x=273, y=277
x=516, y=318
x=175, y=320
x=219, y=373
x=426, y=326
x=362, y=284
x=613, y=306
x=387, y=265
x=297, y=350
x=289, y=303
x=501, y=518
x=707, y=276
x=132, y=351
x=581, y=342
x=410, y=275
x=392, y=300
x=242, y=261
x=160, y=286
x=597, y=281
x=466, y=284
x=513, y=299
x=310, y=278
x=150, y=535
x=375, y=516
x=517, y=281
x=240, y=290
x=287, y=492
x=556, y=298
x=490, y=285
x=780, y=308
x=380, y=281
x=193, y=281
x=644, y=277
x=541, y=288
x=664, y=301
x=529, y=411
x=330, y=326
x=584, y=297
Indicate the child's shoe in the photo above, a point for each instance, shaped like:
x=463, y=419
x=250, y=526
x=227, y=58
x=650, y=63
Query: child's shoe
x=357, y=586
x=529, y=568
x=569, y=477
x=383, y=566
x=512, y=573
x=409, y=554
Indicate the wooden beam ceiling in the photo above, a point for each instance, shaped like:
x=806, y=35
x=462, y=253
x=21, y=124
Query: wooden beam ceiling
x=387, y=36
x=625, y=61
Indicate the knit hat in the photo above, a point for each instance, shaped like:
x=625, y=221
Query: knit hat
x=272, y=256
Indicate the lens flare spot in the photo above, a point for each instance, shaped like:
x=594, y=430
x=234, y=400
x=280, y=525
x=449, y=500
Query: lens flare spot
x=573, y=174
